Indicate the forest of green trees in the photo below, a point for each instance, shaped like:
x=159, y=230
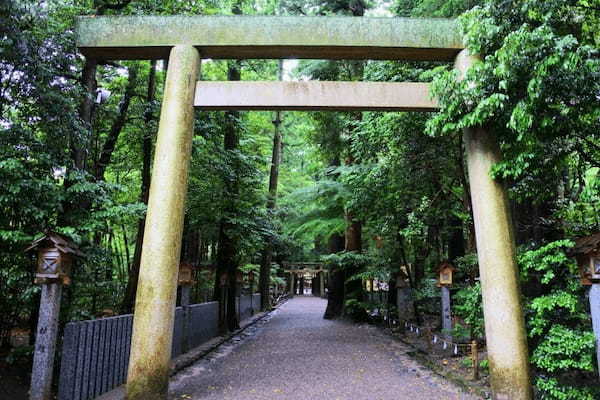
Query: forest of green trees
x=370, y=194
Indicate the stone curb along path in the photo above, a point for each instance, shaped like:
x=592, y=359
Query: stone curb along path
x=187, y=359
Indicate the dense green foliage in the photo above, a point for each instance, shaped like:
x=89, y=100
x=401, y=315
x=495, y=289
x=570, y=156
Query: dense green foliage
x=74, y=161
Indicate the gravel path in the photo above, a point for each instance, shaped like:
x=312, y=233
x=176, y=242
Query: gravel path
x=296, y=354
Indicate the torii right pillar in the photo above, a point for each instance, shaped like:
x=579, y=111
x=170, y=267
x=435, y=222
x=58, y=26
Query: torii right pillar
x=503, y=313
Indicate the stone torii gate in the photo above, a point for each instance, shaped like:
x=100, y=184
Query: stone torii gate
x=185, y=40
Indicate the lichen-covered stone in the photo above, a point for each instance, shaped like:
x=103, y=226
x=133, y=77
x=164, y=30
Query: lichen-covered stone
x=502, y=309
x=155, y=302
x=135, y=37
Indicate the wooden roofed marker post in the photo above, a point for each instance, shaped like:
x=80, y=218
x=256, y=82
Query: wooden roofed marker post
x=55, y=255
x=587, y=253
x=185, y=281
x=404, y=297
x=445, y=280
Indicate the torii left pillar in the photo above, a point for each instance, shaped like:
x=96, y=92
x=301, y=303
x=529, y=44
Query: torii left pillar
x=148, y=374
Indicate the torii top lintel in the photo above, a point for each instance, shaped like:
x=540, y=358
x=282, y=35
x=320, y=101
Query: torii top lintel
x=231, y=37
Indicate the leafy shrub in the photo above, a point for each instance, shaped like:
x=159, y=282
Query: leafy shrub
x=484, y=365
x=427, y=296
x=19, y=355
x=468, y=306
x=558, y=325
x=357, y=310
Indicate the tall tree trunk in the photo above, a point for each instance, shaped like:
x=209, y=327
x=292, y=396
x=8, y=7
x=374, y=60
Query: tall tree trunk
x=190, y=246
x=353, y=234
x=78, y=143
x=456, y=242
x=88, y=80
x=337, y=277
x=392, y=295
x=264, y=281
x=117, y=127
x=227, y=252
x=134, y=271
x=353, y=243
x=190, y=254
x=302, y=282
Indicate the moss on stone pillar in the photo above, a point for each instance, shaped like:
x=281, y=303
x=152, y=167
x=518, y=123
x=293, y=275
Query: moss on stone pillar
x=503, y=312
x=154, y=315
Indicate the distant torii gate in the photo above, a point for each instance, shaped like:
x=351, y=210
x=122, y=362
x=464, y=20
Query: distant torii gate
x=313, y=268
x=185, y=40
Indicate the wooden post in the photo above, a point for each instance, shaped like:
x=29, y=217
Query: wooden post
x=291, y=284
x=148, y=373
x=475, y=359
x=185, y=295
x=446, y=312
x=185, y=306
x=45, y=342
x=503, y=313
x=594, y=296
x=322, y=284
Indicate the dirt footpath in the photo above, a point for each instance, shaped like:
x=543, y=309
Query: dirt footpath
x=296, y=354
